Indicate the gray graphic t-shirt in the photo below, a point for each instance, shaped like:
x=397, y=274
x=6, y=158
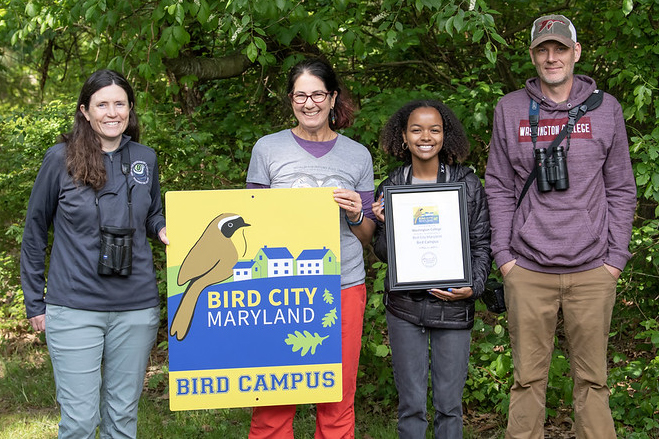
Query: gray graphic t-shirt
x=279, y=161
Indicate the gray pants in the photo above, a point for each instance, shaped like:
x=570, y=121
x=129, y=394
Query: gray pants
x=99, y=360
x=415, y=350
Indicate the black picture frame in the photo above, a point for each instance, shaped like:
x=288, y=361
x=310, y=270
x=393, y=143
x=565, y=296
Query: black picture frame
x=427, y=232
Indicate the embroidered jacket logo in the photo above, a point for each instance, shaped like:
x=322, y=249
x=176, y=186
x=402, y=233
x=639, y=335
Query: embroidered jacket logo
x=140, y=172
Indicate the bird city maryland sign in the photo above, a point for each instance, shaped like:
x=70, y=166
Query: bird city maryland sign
x=253, y=297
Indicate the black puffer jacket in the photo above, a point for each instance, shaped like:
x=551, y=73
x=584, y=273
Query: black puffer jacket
x=418, y=306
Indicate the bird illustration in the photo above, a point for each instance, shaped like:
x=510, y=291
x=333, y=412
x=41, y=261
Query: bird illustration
x=209, y=261
x=417, y=215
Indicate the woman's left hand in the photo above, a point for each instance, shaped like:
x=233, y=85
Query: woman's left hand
x=378, y=208
x=350, y=201
x=452, y=294
x=162, y=235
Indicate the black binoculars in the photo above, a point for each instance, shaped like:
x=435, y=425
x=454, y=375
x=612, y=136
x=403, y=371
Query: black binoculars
x=116, y=256
x=551, y=170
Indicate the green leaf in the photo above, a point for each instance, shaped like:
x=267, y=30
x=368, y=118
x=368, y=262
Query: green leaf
x=328, y=297
x=341, y=5
x=359, y=47
x=498, y=38
x=204, y=12
x=392, y=37
x=381, y=351
x=330, y=318
x=348, y=38
x=260, y=44
x=627, y=6
x=655, y=181
x=180, y=14
x=31, y=10
x=171, y=48
x=90, y=13
x=313, y=34
x=182, y=36
x=325, y=30
x=458, y=22
x=145, y=70
x=490, y=54
x=157, y=14
x=448, y=26
x=252, y=51
x=304, y=342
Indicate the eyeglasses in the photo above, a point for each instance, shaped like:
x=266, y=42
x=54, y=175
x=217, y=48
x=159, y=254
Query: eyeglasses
x=317, y=97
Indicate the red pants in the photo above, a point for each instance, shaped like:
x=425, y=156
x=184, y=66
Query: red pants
x=334, y=420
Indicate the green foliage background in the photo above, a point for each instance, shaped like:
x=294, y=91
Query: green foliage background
x=210, y=80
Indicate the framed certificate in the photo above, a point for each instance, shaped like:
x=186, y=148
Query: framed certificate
x=427, y=236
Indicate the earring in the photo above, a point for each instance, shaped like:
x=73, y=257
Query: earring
x=404, y=146
x=332, y=116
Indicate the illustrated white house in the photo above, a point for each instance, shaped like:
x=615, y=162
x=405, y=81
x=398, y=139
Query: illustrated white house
x=245, y=270
x=317, y=262
x=275, y=262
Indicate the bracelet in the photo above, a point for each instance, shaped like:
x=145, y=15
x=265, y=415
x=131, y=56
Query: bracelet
x=355, y=223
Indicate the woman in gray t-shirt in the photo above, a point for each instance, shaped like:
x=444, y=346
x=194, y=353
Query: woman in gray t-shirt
x=313, y=154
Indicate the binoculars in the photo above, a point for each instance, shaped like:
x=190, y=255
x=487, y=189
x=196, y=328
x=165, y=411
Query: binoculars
x=551, y=170
x=116, y=257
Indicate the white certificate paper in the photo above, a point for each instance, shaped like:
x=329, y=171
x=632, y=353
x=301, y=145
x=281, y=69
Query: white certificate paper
x=429, y=236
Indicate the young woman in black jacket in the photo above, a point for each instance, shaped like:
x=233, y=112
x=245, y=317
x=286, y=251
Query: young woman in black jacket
x=431, y=329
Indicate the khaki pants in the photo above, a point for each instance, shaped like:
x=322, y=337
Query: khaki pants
x=533, y=300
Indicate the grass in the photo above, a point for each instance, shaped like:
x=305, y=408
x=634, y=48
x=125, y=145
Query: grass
x=28, y=408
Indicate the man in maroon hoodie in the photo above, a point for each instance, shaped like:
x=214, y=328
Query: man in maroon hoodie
x=565, y=245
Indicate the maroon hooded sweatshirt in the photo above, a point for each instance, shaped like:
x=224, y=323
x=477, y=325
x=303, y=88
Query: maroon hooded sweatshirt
x=574, y=230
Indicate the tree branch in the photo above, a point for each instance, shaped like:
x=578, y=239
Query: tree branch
x=208, y=68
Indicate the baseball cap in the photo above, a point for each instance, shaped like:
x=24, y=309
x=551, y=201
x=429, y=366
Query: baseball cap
x=554, y=28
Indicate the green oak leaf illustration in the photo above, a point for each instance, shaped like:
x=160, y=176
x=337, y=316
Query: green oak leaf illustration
x=305, y=342
x=330, y=318
x=328, y=297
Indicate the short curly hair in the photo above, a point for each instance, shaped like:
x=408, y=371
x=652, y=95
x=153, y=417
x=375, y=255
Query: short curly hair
x=455, y=147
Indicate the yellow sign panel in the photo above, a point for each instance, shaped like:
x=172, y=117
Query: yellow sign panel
x=254, y=290
x=250, y=387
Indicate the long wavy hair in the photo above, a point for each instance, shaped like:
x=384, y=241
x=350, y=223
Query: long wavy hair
x=84, y=154
x=344, y=107
x=455, y=147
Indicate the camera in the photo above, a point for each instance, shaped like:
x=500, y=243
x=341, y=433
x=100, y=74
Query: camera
x=551, y=170
x=494, y=297
x=116, y=257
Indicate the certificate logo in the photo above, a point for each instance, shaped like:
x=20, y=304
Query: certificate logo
x=429, y=259
x=425, y=215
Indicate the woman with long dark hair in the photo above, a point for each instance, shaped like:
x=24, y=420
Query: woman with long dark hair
x=99, y=191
